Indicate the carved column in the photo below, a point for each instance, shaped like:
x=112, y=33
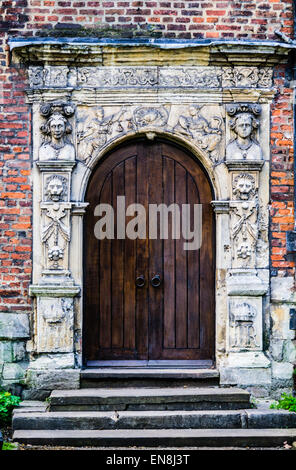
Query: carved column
x=247, y=282
x=56, y=289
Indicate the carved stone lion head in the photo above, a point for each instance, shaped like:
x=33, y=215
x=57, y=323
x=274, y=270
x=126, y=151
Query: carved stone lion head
x=244, y=186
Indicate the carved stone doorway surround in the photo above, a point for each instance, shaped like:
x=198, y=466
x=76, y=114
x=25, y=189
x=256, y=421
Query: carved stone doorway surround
x=213, y=101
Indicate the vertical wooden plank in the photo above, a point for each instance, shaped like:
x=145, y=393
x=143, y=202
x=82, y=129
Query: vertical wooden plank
x=105, y=276
x=181, y=265
x=193, y=272
x=169, y=310
x=91, y=271
x=154, y=158
x=142, y=259
x=207, y=278
x=130, y=261
x=117, y=263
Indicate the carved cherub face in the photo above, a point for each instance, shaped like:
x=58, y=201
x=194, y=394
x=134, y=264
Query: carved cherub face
x=57, y=126
x=100, y=113
x=243, y=125
x=55, y=189
x=243, y=186
x=193, y=110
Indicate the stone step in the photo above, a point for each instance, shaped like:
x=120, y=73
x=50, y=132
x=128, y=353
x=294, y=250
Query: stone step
x=102, y=399
x=159, y=437
x=30, y=406
x=215, y=419
x=145, y=377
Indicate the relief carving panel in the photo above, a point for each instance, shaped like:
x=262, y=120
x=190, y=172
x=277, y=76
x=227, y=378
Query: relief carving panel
x=97, y=126
x=244, y=323
x=55, y=324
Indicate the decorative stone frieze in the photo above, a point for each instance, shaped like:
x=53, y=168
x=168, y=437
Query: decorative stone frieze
x=150, y=77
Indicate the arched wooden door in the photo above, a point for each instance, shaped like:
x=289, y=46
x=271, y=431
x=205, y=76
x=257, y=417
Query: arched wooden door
x=172, y=321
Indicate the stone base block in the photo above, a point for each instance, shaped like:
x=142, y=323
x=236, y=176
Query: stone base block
x=13, y=372
x=14, y=326
x=53, y=361
x=41, y=382
x=249, y=369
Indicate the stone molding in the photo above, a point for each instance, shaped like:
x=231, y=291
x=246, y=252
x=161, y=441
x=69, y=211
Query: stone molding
x=147, y=52
x=48, y=290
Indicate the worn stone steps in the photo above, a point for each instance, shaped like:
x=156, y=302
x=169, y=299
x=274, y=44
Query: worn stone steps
x=159, y=437
x=179, y=419
x=147, y=377
x=149, y=399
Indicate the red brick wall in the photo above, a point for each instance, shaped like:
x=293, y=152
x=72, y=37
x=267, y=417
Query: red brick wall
x=182, y=19
x=282, y=179
x=15, y=193
x=244, y=19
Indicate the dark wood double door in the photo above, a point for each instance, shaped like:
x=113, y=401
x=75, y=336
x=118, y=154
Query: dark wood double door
x=148, y=299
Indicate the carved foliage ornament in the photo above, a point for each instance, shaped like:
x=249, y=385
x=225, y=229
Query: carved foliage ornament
x=56, y=233
x=150, y=77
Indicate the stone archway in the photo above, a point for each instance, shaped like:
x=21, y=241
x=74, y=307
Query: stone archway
x=191, y=113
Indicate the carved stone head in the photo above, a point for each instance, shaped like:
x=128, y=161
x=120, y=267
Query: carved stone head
x=244, y=119
x=244, y=125
x=244, y=186
x=100, y=113
x=56, y=127
x=56, y=187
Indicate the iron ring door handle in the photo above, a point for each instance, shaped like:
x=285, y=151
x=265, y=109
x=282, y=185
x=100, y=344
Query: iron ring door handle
x=156, y=281
x=140, y=281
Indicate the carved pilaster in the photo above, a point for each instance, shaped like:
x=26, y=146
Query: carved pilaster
x=55, y=291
